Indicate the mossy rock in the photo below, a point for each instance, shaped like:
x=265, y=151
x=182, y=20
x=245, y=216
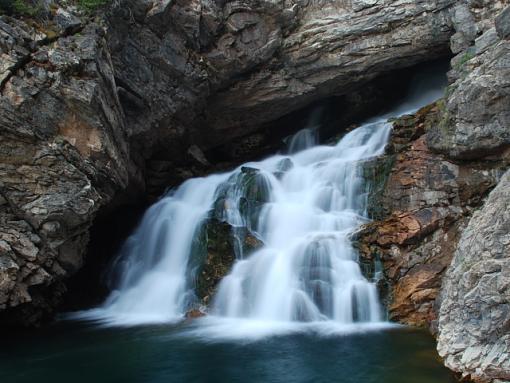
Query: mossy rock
x=376, y=173
x=219, y=255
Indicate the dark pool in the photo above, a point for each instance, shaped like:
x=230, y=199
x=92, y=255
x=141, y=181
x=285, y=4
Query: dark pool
x=81, y=353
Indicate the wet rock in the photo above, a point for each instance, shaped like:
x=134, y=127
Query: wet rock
x=195, y=313
x=121, y=107
x=221, y=241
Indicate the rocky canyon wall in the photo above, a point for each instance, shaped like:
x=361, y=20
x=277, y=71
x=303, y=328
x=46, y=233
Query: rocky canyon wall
x=441, y=232
x=92, y=106
x=99, y=110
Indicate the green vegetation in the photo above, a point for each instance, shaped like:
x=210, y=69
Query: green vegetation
x=21, y=7
x=91, y=5
x=35, y=8
x=460, y=66
x=465, y=58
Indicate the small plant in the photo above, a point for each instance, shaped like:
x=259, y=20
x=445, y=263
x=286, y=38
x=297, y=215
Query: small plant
x=91, y=5
x=463, y=60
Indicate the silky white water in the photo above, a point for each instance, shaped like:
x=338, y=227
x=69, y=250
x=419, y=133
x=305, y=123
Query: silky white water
x=303, y=206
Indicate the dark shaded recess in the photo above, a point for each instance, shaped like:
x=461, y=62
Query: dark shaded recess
x=90, y=285
x=167, y=168
x=17, y=319
x=171, y=162
x=338, y=114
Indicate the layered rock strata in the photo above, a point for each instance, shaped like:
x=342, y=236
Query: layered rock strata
x=474, y=317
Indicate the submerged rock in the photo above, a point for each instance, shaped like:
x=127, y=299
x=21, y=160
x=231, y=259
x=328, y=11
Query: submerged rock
x=195, y=313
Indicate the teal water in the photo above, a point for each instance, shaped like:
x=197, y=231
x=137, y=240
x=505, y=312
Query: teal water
x=166, y=354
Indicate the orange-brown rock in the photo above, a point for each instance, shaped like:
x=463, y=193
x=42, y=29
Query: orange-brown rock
x=427, y=199
x=195, y=313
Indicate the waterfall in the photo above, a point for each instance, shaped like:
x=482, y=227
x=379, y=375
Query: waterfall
x=303, y=206
x=307, y=269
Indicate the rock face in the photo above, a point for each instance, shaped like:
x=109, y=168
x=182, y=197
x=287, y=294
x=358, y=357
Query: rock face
x=476, y=116
x=422, y=211
x=442, y=241
x=96, y=110
x=474, y=299
x=63, y=153
x=242, y=63
x=220, y=254
x=474, y=319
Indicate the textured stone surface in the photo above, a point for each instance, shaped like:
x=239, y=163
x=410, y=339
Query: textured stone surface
x=232, y=66
x=474, y=318
x=90, y=108
x=431, y=194
x=425, y=202
x=63, y=154
x=476, y=116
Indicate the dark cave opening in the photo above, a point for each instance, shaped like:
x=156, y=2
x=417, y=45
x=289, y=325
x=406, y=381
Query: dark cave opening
x=338, y=113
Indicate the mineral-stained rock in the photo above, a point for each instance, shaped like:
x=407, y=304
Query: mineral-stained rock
x=195, y=313
x=445, y=249
x=474, y=316
x=423, y=206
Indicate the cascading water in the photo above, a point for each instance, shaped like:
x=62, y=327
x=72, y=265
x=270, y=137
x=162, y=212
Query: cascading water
x=303, y=206
x=307, y=269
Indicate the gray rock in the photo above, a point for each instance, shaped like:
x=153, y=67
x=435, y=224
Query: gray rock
x=82, y=118
x=475, y=297
x=503, y=24
x=63, y=156
x=66, y=21
x=476, y=117
x=485, y=41
x=465, y=27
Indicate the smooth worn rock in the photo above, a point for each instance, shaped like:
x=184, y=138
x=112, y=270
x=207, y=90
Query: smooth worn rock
x=220, y=240
x=474, y=316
